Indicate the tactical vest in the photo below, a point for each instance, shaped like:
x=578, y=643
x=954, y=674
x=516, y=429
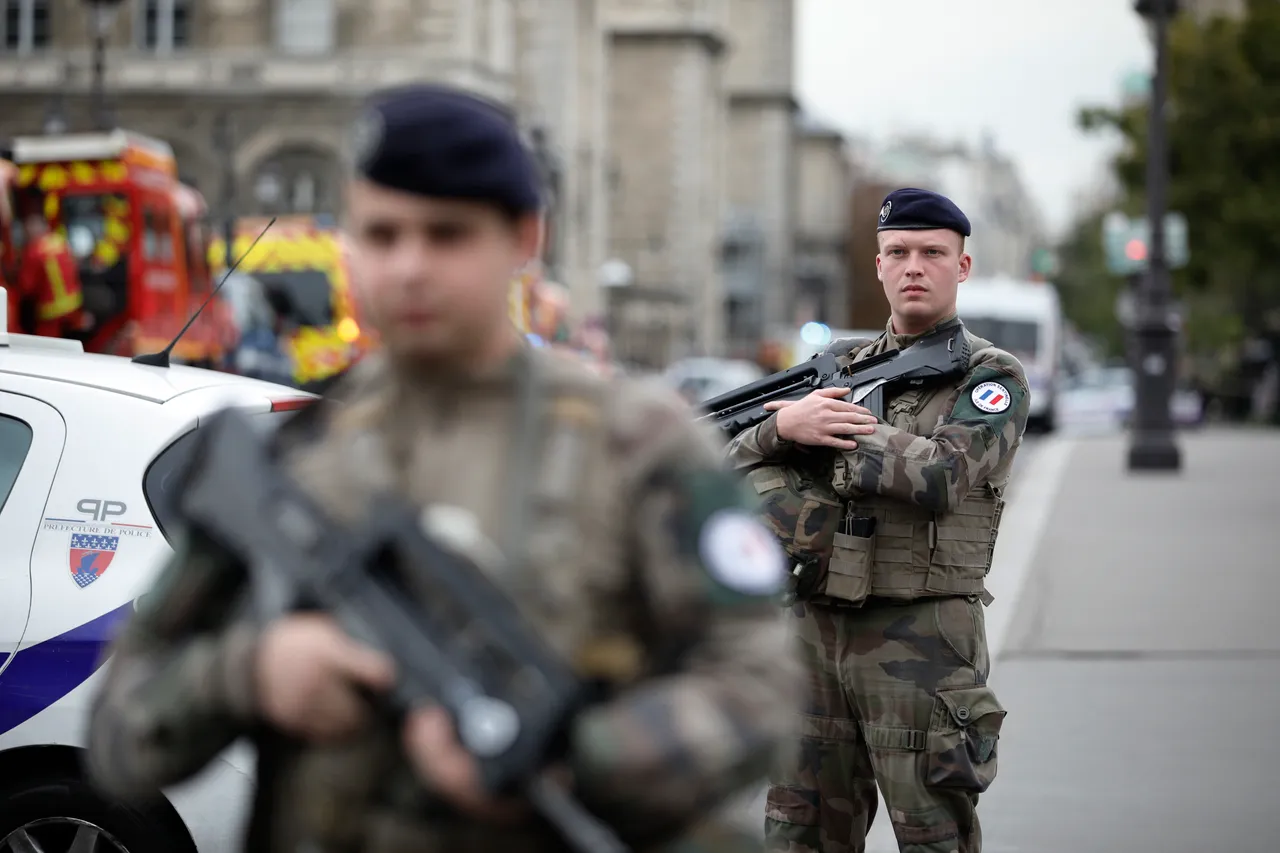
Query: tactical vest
x=565, y=508
x=560, y=509
x=849, y=546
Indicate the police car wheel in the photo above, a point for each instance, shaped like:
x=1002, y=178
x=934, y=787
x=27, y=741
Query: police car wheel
x=57, y=833
x=66, y=815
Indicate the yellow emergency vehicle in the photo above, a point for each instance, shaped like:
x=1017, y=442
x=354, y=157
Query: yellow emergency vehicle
x=303, y=270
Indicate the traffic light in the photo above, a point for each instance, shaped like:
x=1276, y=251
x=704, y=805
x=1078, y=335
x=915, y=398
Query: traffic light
x=1127, y=242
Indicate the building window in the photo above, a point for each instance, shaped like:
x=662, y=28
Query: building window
x=163, y=25
x=24, y=26
x=297, y=181
x=305, y=27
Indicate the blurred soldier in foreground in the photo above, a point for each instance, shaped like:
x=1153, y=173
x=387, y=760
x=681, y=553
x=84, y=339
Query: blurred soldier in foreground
x=626, y=542
x=900, y=519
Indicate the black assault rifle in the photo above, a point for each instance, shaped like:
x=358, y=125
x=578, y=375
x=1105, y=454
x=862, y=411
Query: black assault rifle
x=464, y=645
x=942, y=353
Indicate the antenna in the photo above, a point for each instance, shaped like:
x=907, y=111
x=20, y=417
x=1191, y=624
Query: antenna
x=161, y=359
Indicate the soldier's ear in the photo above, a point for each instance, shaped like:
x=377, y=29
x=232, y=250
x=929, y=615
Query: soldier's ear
x=966, y=264
x=529, y=231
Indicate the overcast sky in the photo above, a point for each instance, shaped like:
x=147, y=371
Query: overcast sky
x=956, y=68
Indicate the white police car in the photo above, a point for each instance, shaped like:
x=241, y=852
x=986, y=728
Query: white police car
x=88, y=444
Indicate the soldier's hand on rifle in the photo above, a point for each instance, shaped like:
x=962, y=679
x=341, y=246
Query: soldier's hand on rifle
x=450, y=770
x=309, y=673
x=822, y=419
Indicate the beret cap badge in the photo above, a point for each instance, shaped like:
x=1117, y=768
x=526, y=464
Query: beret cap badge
x=885, y=210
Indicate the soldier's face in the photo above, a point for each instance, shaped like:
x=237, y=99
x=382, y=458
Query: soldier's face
x=921, y=271
x=434, y=274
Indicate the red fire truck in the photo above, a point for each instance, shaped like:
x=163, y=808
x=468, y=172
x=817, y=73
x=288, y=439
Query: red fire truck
x=140, y=239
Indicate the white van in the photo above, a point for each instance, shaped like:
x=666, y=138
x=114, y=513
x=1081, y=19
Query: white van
x=1025, y=318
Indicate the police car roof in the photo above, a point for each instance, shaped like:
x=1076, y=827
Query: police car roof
x=23, y=357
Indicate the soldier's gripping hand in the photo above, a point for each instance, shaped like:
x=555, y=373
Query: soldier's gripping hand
x=822, y=419
x=449, y=770
x=308, y=674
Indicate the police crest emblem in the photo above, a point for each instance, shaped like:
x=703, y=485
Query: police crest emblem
x=90, y=555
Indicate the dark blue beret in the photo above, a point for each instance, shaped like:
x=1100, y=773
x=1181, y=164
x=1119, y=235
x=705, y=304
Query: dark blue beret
x=441, y=142
x=910, y=209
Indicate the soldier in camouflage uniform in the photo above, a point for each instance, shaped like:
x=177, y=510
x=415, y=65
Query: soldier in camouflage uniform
x=614, y=524
x=897, y=521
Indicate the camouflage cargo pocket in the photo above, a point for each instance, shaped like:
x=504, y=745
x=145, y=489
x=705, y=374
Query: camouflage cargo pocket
x=792, y=805
x=803, y=513
x=849, y=572
x=963, y=737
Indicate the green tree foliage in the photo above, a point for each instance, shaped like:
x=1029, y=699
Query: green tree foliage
x=1223, y=119
x=1088, y=292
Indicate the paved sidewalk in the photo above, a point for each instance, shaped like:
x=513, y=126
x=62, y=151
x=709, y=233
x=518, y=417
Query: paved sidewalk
x=1142, y=671
x=1164, y=563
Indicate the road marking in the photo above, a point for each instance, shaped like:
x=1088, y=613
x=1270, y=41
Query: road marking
x=1021, y=529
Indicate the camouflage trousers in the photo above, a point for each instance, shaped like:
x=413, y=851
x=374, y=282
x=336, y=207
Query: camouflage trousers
x=897, y=696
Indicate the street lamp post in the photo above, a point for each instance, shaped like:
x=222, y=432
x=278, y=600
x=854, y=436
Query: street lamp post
x=1153, y=446
x=224, y=138
x=102, y=16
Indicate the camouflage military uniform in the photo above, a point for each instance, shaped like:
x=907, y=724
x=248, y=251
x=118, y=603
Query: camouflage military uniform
x=892, y=633
x=624, y=544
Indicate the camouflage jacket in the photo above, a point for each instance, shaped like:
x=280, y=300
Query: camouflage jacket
x=945, y=451
x=637, y=576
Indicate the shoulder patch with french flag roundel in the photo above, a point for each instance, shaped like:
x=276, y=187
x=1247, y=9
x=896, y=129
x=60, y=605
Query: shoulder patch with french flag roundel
x=991, y=397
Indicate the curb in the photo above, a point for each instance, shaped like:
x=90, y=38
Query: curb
x=1026, y=515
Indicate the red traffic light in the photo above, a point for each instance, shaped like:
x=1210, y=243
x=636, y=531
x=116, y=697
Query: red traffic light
x=1135, y=250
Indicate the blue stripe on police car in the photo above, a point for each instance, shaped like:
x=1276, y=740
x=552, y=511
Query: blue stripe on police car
x=43, y=673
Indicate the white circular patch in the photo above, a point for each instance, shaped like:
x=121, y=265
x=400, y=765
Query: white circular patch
x=991, y=397
x=884, y=211
x=741, y=554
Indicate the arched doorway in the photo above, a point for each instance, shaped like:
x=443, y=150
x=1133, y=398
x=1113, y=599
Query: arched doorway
x=296, y=180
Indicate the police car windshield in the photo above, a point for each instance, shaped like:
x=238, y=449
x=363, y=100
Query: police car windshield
x=1016, y=336
x=161, y=477
x=303, y=298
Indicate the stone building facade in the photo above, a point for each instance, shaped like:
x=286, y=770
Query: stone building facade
x=824, y=181
x=666, y=127
x=762, y=164
x=667, y=139
x=254, y=97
